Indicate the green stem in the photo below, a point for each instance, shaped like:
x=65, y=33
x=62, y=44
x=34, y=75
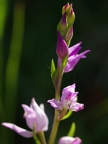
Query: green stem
x=35, y=136
x=57, y=96
x=42, y=138
x=36, y=139
x=54, y=129
x=58, y=83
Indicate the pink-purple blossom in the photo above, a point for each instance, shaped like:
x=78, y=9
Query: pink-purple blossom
x=73, y=56
x=35, y=118
x=69, y=140
x=68, y=100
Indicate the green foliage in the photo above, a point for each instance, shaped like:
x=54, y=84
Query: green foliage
x=53, y=69
x=67, y=115
x=72, y=130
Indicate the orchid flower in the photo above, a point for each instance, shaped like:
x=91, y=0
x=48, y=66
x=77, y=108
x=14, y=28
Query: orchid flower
x=35, y=118
x=68, y=100
x=73, y=56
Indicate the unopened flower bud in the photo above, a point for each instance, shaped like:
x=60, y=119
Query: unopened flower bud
x=69, y=35
x=70, y=15
x=67, y=8
x=65, y=25
x=62, y=25
x=61, y=48
x=71, y=18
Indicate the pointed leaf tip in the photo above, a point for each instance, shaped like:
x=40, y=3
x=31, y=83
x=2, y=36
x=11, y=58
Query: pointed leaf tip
x=52, y=68
x=67, y=115
x=72, y=130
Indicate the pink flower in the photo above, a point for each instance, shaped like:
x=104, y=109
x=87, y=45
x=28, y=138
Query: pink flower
x=68, y=100
x=34, y=116
x=73, y=57
x=69, y=140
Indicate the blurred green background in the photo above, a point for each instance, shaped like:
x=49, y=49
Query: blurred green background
x=27, y=45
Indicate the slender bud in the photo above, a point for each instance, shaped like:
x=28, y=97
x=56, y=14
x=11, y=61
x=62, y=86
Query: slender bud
x=65, y=26
x=62, y=25
x=67, y=8
x=71, y=17
x=69, y=35
x=61, y=48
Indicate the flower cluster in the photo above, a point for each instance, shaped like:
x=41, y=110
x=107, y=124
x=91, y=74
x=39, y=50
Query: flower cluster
x=68, y=57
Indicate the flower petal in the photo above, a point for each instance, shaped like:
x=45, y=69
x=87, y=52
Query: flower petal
x=69, y=92
x=17, y=129
x=70, y=88
x=27, y=109
x=41, y=117
x=74, y=49
x=73, y=60
x=31, y=120
x=55, y=104
x=69, y=140
x=76, y=106
x=42, y=107
x=29, y=116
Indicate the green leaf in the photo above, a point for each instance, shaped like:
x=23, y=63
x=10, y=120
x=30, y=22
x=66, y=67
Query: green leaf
x=52, y=69
x=67, y=115
x=72, y=130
